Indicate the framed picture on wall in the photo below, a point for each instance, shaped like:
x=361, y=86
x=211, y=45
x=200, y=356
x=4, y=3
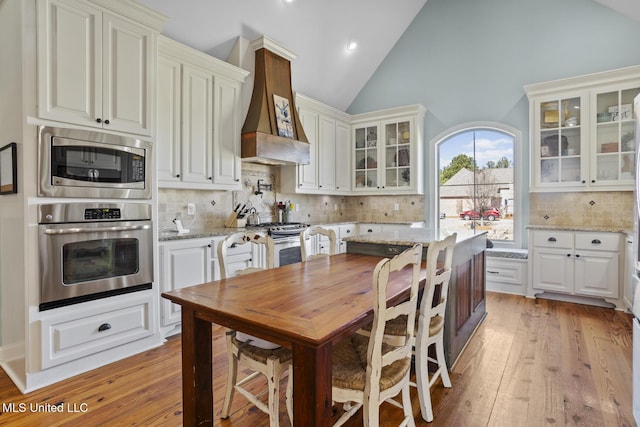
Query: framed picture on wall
x=283, y=116
x=8, y=169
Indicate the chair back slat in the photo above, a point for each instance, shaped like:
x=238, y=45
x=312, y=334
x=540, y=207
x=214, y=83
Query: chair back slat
x=439, y=261
x=411, y=257
x=241, y=238
x=316, y=231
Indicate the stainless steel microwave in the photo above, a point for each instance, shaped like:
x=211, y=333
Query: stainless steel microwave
x=80, y=163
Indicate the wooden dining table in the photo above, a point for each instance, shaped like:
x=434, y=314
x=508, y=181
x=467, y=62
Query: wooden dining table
x=307, y=306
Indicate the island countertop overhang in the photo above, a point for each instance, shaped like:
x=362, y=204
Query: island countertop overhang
x=408, y=237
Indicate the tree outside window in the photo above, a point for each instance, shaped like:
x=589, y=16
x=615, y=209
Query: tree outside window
x=476, y=183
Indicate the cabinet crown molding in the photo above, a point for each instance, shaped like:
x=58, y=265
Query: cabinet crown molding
x=586, y=81
x=170, y=47
x=135, y=11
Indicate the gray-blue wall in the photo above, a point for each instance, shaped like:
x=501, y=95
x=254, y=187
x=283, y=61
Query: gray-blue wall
x=468, y=60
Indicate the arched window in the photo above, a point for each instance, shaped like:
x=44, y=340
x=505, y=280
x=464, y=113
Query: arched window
x=478, y=182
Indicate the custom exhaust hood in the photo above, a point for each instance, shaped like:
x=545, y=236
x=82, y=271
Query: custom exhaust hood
x=272, y=133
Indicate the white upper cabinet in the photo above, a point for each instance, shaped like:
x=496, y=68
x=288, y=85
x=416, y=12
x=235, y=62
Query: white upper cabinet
x=328, y=131
x=373, y=153
x=199, y=119
x=582, y=132
x=387, y=151
x=95, y=67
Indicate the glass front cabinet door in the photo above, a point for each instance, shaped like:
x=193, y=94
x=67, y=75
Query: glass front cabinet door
x=613, y=162
x=366, y=157
x=559, y=142
x=397, y=154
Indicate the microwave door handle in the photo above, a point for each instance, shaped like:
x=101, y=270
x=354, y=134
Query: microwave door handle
x=98, y=229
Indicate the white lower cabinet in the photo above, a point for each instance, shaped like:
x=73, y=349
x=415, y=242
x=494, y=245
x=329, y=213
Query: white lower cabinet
x=190, y=262
x=577, y=263
x=182, y=263
x=506, y=275
x=74, y=334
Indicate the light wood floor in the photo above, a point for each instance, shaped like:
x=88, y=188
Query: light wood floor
x=531, y=363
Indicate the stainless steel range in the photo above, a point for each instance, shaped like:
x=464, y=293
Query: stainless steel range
x=286, y=236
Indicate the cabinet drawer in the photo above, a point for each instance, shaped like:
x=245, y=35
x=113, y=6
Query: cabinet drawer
x=598, y=241
x=553, y=239
x=506, y=271
x=65, y=339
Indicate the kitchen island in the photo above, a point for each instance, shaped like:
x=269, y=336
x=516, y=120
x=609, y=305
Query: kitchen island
x=466, y=305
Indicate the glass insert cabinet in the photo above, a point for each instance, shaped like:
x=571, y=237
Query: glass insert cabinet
x=583, y=132
x=387, y=153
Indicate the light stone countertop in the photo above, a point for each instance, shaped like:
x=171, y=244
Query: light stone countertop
x=407, y=237
x=611, y=229
x=168, y=234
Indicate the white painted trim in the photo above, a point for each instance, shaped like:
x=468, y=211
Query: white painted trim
x=520, y=181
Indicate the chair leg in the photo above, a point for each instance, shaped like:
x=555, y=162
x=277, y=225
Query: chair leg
x=406, y=405
x=422, y=380
x=289, y=394
x=371, y=411
x=232, y=377
x=273, y=390
x=442, y=363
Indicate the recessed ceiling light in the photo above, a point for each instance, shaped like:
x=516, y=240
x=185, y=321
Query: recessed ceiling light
x=352, y=45
x=287, y=1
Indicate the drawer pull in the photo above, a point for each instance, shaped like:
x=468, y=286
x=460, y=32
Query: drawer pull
x=493, y=272
x=596, y=242
x=104, y=327
x=552, y=239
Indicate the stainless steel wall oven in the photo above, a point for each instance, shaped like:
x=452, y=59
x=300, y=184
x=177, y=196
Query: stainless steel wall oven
x=79, y=163
x=93, y=250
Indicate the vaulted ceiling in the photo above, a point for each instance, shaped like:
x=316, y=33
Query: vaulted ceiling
x=318, y=31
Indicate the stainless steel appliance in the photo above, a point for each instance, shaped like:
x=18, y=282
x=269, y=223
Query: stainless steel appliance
x=286, y=236
x=93, y=250
x=79, y=163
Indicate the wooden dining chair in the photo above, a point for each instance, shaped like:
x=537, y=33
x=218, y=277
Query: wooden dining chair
x=366, y=370
x=260, y=356
x=430, y=323
x=316, y=231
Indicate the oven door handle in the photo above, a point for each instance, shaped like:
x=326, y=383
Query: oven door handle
x=97, y=229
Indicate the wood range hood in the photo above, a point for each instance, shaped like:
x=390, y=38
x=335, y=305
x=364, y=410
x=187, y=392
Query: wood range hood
x=262, y=141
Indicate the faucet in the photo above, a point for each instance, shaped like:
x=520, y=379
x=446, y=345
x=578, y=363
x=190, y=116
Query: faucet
x=268, y=187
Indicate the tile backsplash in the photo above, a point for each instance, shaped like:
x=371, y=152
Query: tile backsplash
x=213, y=207
x=590, y=209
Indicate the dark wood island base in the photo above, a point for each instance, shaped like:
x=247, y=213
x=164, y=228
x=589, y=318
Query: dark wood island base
x=466, y=305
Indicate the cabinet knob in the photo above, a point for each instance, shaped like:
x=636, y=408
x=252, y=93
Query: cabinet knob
x=106, y=122
x=104, y=327
x=551, y=239
x=210, y=178
x=177, y=175
x=237, y=180
x=577, y=255
x=98, y=120
x=569, y=255
x=209, y=245
x=584, y=182
x=596, y=241
x=593, y=181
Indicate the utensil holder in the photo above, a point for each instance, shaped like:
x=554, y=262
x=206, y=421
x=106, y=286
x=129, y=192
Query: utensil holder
x=234, y=222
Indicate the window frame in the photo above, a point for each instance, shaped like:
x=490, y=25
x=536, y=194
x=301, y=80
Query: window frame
x=519, y=178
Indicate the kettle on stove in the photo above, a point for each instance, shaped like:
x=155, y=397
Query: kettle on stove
x=253, y=218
